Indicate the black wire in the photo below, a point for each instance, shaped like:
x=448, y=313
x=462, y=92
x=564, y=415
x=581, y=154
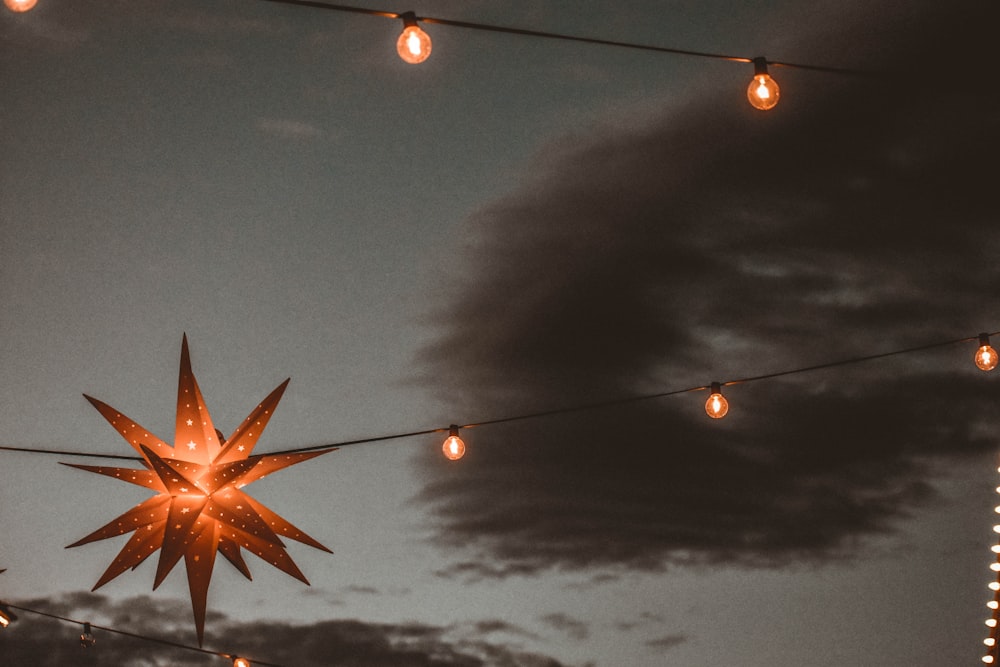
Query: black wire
x=572, y=38
x=165, y=642
x=551, y=412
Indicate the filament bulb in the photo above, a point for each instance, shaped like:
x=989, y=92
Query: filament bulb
x=453, y=447
x=413, y=45
x=19, y=5
x=986, y=356
x=241, y=662
x=716, y=406
x=763, y=91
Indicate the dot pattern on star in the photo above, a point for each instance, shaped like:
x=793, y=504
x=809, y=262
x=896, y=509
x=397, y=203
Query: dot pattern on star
x=199, y=508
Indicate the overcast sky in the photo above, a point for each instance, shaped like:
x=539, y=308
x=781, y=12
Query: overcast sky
x=516, y=225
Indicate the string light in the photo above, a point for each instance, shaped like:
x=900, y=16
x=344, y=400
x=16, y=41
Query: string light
x=413, y=45
x=20, y=5
x=986, y=356
x=716, y=406
x=6, y=616
x=994, y=604
x=87, y=637
x=543, y=413
x=763, y=91
x=453, y=447
x=89, y=627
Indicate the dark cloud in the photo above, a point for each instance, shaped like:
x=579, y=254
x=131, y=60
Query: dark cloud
x=573, y=627
x=667, y=642
x=45, y=642
x=718, y=243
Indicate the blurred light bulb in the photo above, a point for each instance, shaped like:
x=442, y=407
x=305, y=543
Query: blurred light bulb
x=763, y=91
x=991, y=622
x=988, y=659
x=453, y=447
x=989, y=641
x=993, y=604
x=995, y=567
x=19, y=5
x=4, y=618
x=994, y=586
x=241, y=662
x=716, y=406
x=413, y=45
x=986, y=356
x=87, y=638
x=995, y=548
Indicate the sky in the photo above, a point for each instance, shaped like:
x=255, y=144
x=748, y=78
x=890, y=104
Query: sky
x=516, y=225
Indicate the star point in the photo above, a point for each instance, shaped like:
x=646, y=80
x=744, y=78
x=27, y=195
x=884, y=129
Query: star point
x=199, y=508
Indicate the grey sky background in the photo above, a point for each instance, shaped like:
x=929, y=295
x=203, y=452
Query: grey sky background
x=514, y=225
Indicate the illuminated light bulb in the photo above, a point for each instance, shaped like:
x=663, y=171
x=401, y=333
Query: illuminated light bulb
x=994, y=586
x=996, y=529
x=991, y=622
x=413, y=45
x=989, y=641
x=763, y=91
x=995, y=548
x=995, y=567
x=87, y=638
x=241, y=662
x=993, y=604
x=5, y=618
x=453, y=447
x=716, y=406
x=986, y=356
x=19, y=5
x=988, y=659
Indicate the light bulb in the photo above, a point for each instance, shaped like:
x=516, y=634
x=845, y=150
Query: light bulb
x=989, y=641
x=4, y=619
x=763, y=91
x=995, y=548
x=241, y=662
x=986, y=356
x=19, y=5
x=988, y=659
x=413, y=45
x=991, y=622
x=995, y=567
x=993, y=604
x=87, y=638
x=453, y=447
x=716, y=406
x=993, y=586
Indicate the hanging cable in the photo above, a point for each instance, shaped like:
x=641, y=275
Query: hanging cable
x=88, y=627
x=554, y=411
x=572, y=38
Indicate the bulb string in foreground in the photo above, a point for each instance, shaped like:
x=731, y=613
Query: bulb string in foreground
x=597, y=405
x=88, y=629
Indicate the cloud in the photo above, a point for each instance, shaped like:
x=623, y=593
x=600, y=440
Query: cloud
x=572, y=627
x=44, y=642
x=668, y=642
x=718, y=243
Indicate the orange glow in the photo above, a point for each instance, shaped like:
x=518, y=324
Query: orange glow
x=413, y=45
x=19, y=5
x=453, y=447
x=716, y=406
x=199, y=509
x=4, y=620
x=241, y=662
x=986, y=358
x=763, y=92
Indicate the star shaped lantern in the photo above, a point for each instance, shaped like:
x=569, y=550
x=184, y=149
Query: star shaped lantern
x=200, y=507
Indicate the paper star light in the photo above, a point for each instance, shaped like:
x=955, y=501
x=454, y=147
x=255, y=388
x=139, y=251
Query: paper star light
x=199, y=507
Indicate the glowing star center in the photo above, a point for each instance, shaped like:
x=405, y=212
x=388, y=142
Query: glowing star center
x=198, y=509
